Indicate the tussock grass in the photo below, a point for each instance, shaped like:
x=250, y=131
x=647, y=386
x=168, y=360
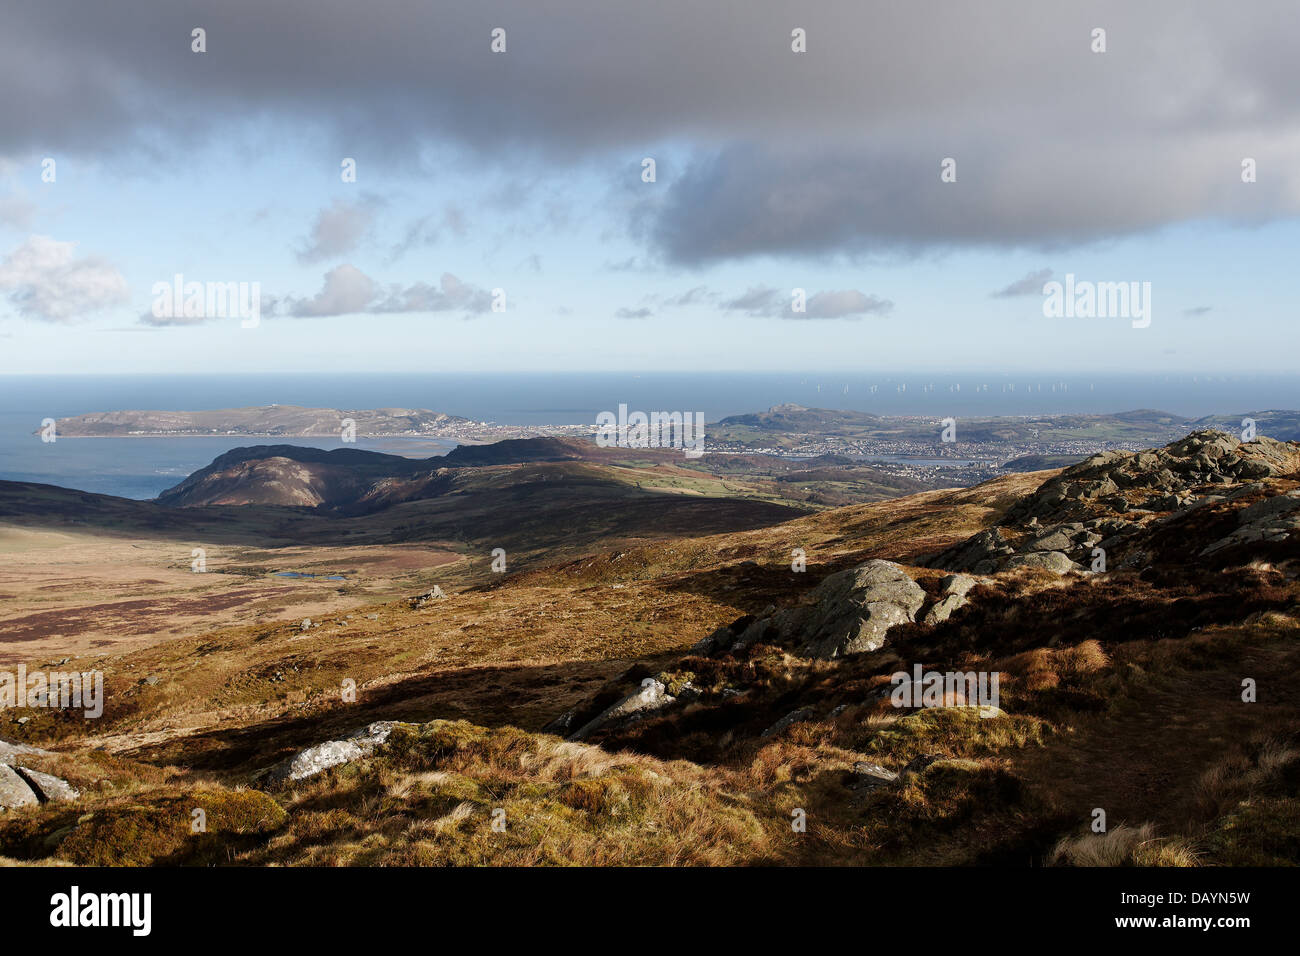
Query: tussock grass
x=1123, y=846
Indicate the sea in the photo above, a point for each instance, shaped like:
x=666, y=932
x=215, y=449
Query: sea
x=141, y=468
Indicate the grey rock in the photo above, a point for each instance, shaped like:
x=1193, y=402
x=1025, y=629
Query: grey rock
x=561, y=725
x=314, y=760
x=428, y=597
x=307, y=763
x=717, y=641
x=870, y=776
x=858, y=633
x=10, y=751
x=957, y=584
x=1275, y=506
x=789, y=720
x=942, y=609
x=651, y=697
x=1053, y=561
x=756, y=631
x=854, y=609
x=49, y=788
x=1055, y=541
x=14, y=790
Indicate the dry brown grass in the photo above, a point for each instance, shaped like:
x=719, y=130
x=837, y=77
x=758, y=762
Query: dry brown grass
x=1123, y=846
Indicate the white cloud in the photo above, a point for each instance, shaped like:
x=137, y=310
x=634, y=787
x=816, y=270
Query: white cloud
x=45, y=280
x=348, y=291
x=338, y=229
x=763, y=302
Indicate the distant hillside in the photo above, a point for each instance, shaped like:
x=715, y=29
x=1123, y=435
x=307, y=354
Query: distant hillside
x=1282, y=424
x=288, y=475
x=515, y=450
x=351, y=479
x=790, y=417
x=1041, y=462
x=290, y=421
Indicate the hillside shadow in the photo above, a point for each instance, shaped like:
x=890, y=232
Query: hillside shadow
x=526, y=697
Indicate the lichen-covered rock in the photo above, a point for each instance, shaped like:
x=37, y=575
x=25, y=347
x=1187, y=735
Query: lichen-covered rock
x=14, y=790
x=1053, y=561
x=49, y=788
x=651, y=697
x=307, y=763
x=854, y=610
x=850, y=612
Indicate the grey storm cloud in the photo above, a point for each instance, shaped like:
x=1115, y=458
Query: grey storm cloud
x=1031, y=284
x=836, y=150
x=430, y=229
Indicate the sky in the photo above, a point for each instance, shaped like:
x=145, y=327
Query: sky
x=501, y=218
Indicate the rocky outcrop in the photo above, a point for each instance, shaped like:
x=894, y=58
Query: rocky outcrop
x=952, y=595
x=850, y=612
x=1108, y=499
x=1270, y=519
x=10, y=752
x=651, y=697
x=854, y=610
x=427, y=598
x=331, y=753
x=47, y=787
x=20, y=786
x=14, y=790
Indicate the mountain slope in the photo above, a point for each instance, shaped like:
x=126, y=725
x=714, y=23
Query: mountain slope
x=1121, y=689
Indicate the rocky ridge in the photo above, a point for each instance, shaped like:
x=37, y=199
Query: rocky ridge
x=1096, y=514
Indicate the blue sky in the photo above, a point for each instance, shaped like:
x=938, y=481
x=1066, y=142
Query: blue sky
x=602, y=271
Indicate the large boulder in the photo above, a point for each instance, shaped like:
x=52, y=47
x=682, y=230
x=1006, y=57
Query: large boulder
x=853, y=610
x=850, y=612
x=1053, y=561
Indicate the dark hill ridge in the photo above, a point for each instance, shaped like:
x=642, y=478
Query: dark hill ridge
x=514, y=451
x=348, y=478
